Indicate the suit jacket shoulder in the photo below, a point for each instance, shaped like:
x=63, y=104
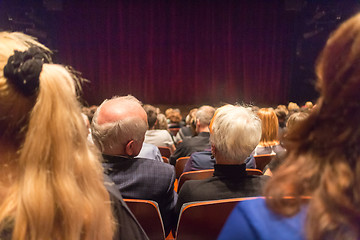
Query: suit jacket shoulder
x=142, y=178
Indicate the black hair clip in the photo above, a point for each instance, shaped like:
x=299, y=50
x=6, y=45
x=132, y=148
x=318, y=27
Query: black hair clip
x=23, y=69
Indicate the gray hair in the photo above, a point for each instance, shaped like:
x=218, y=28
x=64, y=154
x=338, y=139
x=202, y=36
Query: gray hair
x=204, y=114
x=109, y=135
x=235, y=132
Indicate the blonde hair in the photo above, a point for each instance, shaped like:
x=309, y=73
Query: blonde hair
x=58, y=192
x=293, y=106
x=270, y=127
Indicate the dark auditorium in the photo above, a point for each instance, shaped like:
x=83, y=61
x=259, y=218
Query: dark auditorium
x=179, y=120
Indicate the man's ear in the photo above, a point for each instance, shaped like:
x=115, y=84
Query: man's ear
x=129, y=148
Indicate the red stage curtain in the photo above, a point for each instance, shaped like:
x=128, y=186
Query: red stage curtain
x=180, y=52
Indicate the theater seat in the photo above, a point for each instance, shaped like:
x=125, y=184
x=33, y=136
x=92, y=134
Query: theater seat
x=165, y=159
x=263, y=160
x=165, y=151
x=251, y=171
x=148, y=215
x=180, y=165
x=194, y=175
x=204, y=220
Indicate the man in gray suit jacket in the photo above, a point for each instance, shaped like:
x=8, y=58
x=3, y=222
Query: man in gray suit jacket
x=118, y=130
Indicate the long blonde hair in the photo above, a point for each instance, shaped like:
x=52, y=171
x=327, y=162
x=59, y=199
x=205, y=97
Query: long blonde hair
x=58, y=192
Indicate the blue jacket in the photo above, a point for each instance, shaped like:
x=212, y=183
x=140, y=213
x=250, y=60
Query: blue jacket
x=251, y=219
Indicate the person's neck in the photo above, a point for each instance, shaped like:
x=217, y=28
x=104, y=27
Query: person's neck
x=203, y=129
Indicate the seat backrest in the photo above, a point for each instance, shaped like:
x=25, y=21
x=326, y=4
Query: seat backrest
x=165, y=159
x=251, y=171
x=165, y=151
x=148, y=215
x=204, y=220
x=263, y=160
x=194, y=175
x=180, y=165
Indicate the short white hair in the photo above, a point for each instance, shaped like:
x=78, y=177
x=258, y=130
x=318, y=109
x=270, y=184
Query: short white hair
x=235, y=132
x=109, y=135
x=204, y=114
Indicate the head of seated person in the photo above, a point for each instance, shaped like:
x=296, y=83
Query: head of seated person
x=203, y=118
x=190, y=120
x=175, y=118
x=281, y=114
x=234, y=133
x=119, y=126
x=151, y=112
x=51, y=180
x=270, y=127
x=161, y=122
x=295, y=118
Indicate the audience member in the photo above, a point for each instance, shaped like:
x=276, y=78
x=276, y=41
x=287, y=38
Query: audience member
x=281, y=113
x=199, y=142
x=293, y=107
x=269, y=143
x=118, y=129
x=161, y=122
x=157, y=137
x=174, y=121
x=189, y=129
x=309, y=105
x=293, y=121
x=51, y=182
x=235, y=132
x=168, y=112
x=323, y=159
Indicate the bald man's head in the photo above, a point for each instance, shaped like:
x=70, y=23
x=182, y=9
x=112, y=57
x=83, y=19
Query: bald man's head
x=118, y=122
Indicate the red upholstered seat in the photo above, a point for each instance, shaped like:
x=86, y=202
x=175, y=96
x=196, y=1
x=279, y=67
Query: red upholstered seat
x=148, y=215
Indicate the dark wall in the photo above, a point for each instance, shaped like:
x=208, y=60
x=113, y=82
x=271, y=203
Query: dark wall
x=314, y=24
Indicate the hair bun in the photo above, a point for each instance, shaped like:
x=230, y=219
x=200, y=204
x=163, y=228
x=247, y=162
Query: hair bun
x=23, y=69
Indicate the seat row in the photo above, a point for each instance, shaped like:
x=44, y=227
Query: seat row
x=194, y=217
x=198, y=220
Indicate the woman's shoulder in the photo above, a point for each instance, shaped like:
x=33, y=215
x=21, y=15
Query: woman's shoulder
x=257, y=221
